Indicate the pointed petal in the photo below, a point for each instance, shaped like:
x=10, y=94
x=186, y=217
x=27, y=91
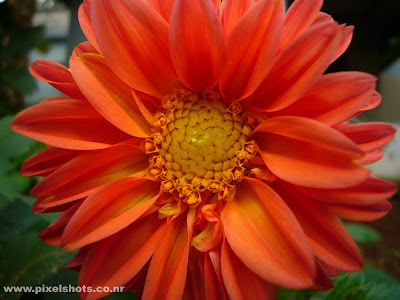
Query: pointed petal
x=110, y=209
x=117, y=259
x=300, y=15
x=108, y=94
x=233, y=12
x=67, y=123
x=76, y=262
x=47, y=161
x=328, y=238
x=242, y=283
x=307, y=153
x=87, y=27
x=58, y=76
x=164, y=7
x=145, y=108
x=368, y=136
x=298, y=67
x=214, y=290
x=168, y=267
x=134, y=40
x=335, y=98
x=265, y=235
x=322, y=282
x=345, y=42
x=87, y=172
x=370, y=157
x=52, y=234
x=371, y=191
x=198, y=49
x=367, y=213
x=374, y=101
x=85, y=47
x=253, y=45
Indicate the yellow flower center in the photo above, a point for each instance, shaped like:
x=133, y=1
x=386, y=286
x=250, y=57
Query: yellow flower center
x=202, y=146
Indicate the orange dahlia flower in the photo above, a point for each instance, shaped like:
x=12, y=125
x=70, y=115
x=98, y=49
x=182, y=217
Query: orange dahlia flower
x=201, y=152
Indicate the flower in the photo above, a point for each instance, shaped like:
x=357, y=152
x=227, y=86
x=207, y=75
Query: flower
x=200, y=151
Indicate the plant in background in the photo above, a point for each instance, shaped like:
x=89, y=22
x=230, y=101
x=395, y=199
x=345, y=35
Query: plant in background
x=201, y=152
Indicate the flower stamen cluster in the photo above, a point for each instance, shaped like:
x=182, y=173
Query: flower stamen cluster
x=201, y=145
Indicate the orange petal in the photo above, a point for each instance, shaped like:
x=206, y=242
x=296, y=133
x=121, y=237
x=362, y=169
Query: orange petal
x=370, y=157
x=214, y=289
x=58, y=76
x=133, y=38
x=233, y=12
x=328, y=238
x=322, y=281
x=300, y=15
x=143, y=102
x=253, y=45
x=298, y=67
x=368, y=136
x=87, y=27
x=67, y=123
x=117, y=259
x=371, y=191
x=209, y=238
x=307, y=153
x=85, y=47
x=345, y=42
x=363, y=213
x=374, y=101
x=108, y=94
x=164, y=7
x=265, y=235
x=198, y=49
x=335, y=98
x=240, y=282
x=76, y=262
x=47, y=161
x=168, y=267
x=52, y=234
x=110, y=209
x=87, y=172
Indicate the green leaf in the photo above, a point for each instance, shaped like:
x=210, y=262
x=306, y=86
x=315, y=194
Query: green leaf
x=373, y=274
x=374, y=291
x=362, y=233
x=27, y=261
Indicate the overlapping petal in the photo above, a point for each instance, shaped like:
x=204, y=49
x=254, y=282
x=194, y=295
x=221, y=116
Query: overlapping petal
x=335, y=98
x=85, y=173
x=164, y=7
x=362, y=213
x=242, y=283
x=108, y=94
x=232, y=12
x=298, y=67
x=252, y=44
x=58, y=76
x=86, y=25
x=67, y=123
x=329, y=239
x=308, y=153
x=46, y=161
x=279, y=251
x=110, y=209
x=371, y=191
x=300, y=15
x=134, y=40
x=167, y=272
x=115, y=260
x=198, y=49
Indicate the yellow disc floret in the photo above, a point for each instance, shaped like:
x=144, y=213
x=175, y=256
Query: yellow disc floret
x=202, y=145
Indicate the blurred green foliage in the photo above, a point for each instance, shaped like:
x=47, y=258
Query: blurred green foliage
x=17, y=38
